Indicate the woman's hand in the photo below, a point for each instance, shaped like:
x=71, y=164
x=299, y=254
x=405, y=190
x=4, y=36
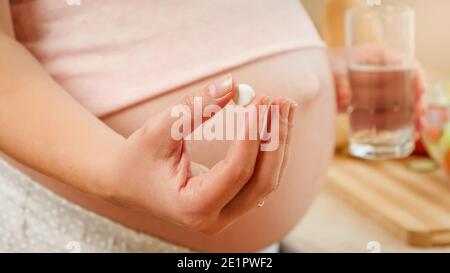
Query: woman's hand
x=154, y=171
x=150, y=170
x=338, y=62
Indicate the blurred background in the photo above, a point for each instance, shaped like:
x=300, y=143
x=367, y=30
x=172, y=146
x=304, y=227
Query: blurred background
x=432, y=33
x=386, y=206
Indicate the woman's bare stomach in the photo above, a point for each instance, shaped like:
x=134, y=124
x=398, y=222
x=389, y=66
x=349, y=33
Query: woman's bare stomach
x=302, y=75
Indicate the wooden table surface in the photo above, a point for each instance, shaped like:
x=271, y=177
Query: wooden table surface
x=333, y=226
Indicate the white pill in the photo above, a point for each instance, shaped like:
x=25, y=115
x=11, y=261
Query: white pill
x=244, y=94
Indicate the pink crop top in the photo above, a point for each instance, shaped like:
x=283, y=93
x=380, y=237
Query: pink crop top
x=110, y=54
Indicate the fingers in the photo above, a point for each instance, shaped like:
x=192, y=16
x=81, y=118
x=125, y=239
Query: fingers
x=376, y=55
x=215, y=95
x=245, y=177
x=287, y=150
x=419, y=98
x=338, y=64
x=215, y=188
x=343, y=91
x=420, y=112
x=419, y=81
x=269, y=167
x=180, y=120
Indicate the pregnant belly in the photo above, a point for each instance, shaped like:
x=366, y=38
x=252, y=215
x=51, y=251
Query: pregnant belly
x=302, y=75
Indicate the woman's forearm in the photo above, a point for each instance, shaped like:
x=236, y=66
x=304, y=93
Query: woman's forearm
x=46, y=129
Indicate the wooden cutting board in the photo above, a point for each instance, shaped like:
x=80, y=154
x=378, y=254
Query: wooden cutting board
x=414, y=206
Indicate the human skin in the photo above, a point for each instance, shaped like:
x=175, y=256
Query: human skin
x=302, y=75
x=286, y=206
x=148, y=171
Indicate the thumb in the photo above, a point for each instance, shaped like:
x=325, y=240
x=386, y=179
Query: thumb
x=343, y=91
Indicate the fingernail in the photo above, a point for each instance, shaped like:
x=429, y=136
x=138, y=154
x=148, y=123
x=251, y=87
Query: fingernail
x=221, y=87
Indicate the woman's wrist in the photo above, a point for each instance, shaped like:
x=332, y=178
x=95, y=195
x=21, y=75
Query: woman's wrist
x=105, y=171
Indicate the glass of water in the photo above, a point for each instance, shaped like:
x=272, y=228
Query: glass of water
x=381, y=67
